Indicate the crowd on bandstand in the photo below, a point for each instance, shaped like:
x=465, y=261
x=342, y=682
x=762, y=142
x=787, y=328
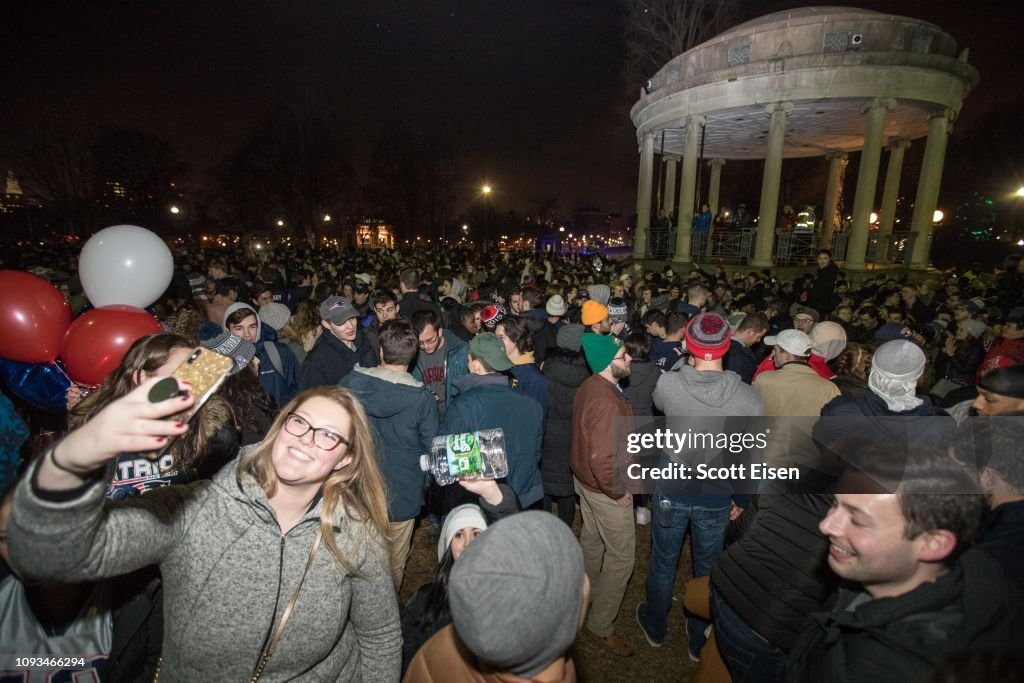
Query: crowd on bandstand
x=267, y=537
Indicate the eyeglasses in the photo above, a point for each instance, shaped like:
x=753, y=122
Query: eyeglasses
x=323, y=438
x=424, y=343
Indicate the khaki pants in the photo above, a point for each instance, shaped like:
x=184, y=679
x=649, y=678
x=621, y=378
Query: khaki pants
x=608, y=539
x=401, y=546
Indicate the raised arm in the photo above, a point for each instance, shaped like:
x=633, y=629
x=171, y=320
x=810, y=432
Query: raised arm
x=62, y=529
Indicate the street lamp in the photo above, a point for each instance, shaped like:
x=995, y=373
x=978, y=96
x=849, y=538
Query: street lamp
x=280, y=223
x=327, y=218
x=487, y=208
x=175, y=210
x=937, y=216
x=1020, y=191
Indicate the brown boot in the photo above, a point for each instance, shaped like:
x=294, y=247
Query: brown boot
x=614, y=643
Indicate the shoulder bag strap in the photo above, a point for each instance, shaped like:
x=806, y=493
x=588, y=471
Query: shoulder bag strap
x=287, y=611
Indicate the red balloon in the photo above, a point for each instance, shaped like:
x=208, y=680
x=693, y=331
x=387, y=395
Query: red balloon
x=97, y=341
x=34, y=316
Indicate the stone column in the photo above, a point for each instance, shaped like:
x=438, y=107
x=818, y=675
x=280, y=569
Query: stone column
x=928, y=187
x=769, y=207
x=643, y=196
x=668, y=202
x=837, y=162
x=867, y=179
x=889, y=196
x=715, y=184
x=688, y=190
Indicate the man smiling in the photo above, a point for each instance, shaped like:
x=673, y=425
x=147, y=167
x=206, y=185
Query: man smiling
x=915, y=592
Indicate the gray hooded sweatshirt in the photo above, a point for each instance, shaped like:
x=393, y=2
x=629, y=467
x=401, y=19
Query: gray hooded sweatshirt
x=228, y=575
x=706, y=394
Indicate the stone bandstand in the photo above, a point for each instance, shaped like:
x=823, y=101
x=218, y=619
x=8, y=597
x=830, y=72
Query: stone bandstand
x=816, y=81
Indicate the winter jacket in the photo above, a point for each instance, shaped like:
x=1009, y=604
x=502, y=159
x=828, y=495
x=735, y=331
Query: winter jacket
x=849, y=423
x=1001, y=535
x=777, y=572
x=962, y=365
x=794, y=390
x=902, y=638
x=331, y=359
x=740, y=359
x=446, y=659
x=529, y=381
x=488, y=402
x=403, y=417
x=282, y=386
x=594, y=456
x=412, y=302
x=457, y=364
x=824, y=285
x=639, y=387
x=565, y=371
x=715, y=401
x=228, y=572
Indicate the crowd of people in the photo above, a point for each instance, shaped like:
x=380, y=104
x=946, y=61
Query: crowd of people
x=267, y=537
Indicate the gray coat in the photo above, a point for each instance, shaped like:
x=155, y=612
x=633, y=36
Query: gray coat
x=228, y=574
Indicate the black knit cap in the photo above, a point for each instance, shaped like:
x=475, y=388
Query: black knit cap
x=1008, y=381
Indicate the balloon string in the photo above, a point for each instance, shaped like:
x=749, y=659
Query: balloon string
x=61, y=371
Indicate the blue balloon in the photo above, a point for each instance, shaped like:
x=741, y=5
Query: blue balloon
x=41, y=385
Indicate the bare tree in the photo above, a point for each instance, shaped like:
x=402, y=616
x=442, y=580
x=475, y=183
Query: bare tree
x=658, y=30
x=55, y=163
x=292, y=167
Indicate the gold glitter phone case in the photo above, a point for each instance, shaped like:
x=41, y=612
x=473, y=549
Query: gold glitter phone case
x=205, y=370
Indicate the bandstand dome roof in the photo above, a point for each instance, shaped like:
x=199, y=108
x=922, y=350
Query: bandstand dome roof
x=828, y=62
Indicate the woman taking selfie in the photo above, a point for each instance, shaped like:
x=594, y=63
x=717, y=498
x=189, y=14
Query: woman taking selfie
x=277, y=569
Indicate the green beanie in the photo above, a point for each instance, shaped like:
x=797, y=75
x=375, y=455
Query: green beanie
x=599, y=350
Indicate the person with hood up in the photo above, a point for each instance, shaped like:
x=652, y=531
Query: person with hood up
x=403, y=418
x=342, y=347
x=278, y=367
x=707, y=398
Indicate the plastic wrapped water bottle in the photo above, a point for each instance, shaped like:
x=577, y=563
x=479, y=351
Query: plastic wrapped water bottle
x=469, y=455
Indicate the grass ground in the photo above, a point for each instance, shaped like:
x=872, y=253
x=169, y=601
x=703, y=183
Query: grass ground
x=594, y=664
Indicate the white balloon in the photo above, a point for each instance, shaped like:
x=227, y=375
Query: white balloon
x=125, y=264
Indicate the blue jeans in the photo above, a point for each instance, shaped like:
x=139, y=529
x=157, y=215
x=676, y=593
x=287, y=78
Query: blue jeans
x=668, y=530
x=749, y=657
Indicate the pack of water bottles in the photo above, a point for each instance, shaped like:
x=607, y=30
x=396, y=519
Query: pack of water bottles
x=467, y=456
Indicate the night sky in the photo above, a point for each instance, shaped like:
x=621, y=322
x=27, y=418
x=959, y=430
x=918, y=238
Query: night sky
x=526, y=92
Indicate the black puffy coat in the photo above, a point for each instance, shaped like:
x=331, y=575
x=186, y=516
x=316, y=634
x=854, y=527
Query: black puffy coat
x=565, y=372
x=777, y=572
x=970, y=608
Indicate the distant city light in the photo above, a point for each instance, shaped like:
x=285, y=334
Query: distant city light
x=280, y=223
x=937, y=216
x=175, y=210
x=327, y=218
x=561, y=228
x=487, y=189
x=873, y=218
